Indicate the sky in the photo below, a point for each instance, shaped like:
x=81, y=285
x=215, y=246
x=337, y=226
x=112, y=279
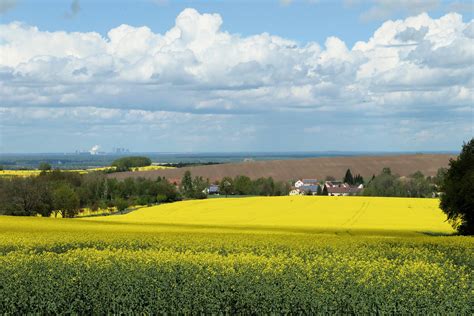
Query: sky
x=230, y=76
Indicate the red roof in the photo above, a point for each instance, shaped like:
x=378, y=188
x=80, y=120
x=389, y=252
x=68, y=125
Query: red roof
x=344, y=190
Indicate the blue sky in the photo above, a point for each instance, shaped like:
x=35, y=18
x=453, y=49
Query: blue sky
x=236, y=75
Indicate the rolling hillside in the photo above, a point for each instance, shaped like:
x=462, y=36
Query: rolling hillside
x=295, y=212
x=284, y=170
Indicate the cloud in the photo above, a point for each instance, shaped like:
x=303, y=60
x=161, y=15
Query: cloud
x=6, y=5
x=82, y=88
x=75, y=9
x=384, y=9
x=461, y=6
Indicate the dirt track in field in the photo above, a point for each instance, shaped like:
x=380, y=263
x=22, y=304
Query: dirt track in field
x=318, y=168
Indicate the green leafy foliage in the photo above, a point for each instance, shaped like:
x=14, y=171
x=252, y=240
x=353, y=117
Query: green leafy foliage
x=457, y=200
x=388, y=184
x=127, y=163
x=66, y=200
x=44, y=166
x=66, y=192
x=348, y=178
x=193, y=188
x=243, y=185
x=226, y=186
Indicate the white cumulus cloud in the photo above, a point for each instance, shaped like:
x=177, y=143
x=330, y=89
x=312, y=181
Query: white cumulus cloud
x=196, y=66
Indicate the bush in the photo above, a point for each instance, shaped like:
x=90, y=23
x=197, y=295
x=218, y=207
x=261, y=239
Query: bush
x=127, y=163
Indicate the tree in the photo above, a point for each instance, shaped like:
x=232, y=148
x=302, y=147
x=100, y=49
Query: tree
x=199, y=187
x=65, y=200
x=281, y=188
x=267, y=187
x=121, y=204
x=243, y=185
x=385, y=184
x=325, y=191
x=25, y=197
x=440, y=175
x=457, y=200
x=44, y=166
x=126, y=163
x=348, y=178
x=330, y=178
x=418, y=186
x=166, y=192
x=358, y=179
x=226, y=186
x=187, y=184
x=319, y=191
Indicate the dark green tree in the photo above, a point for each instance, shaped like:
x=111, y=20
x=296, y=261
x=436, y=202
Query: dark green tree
x=243, y=185
x=121, y=204
x=199, y=187
x=348, y=178
x=440, y=175
x=25, y=197
x=44, y=166
x=319, y=191
x=457, y=200
x=358, y=179
x=418, y=186
x=325, y=191
x=187, y=184
x=281, y=188
x=65, y=201
x=127, y=163
x=385, y=184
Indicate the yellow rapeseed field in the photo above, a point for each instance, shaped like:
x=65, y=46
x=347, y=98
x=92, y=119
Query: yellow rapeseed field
x=153, y=167
x=36, y=172
x=311, y=212
x=267, y=255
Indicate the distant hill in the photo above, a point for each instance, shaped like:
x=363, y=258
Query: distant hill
x=319, y=168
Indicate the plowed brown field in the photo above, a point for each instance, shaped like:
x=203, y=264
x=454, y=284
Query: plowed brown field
x=319, y=168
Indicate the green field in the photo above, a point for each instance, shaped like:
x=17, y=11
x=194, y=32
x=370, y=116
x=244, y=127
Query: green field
x=247, y=255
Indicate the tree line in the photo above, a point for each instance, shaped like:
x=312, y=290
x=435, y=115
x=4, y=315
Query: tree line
x=66, y=193
x=240, y=185
x=55, y=192
x=415, y=185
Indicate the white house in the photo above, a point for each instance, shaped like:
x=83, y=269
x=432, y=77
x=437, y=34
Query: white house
x=295, y=192
x=305, y=186
x=298, y=184
x=305, y=182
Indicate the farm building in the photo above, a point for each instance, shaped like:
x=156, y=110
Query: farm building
x=212, y=189
x=306, y=182
x=309, y=189
x=305, y=187
x=336, y=188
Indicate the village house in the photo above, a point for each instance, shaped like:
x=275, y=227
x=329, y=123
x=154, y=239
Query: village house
x=305, y=187
x=334, y=188
x=212, y=189
x=309, y=189
x=303, y=182
x=337, y=188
